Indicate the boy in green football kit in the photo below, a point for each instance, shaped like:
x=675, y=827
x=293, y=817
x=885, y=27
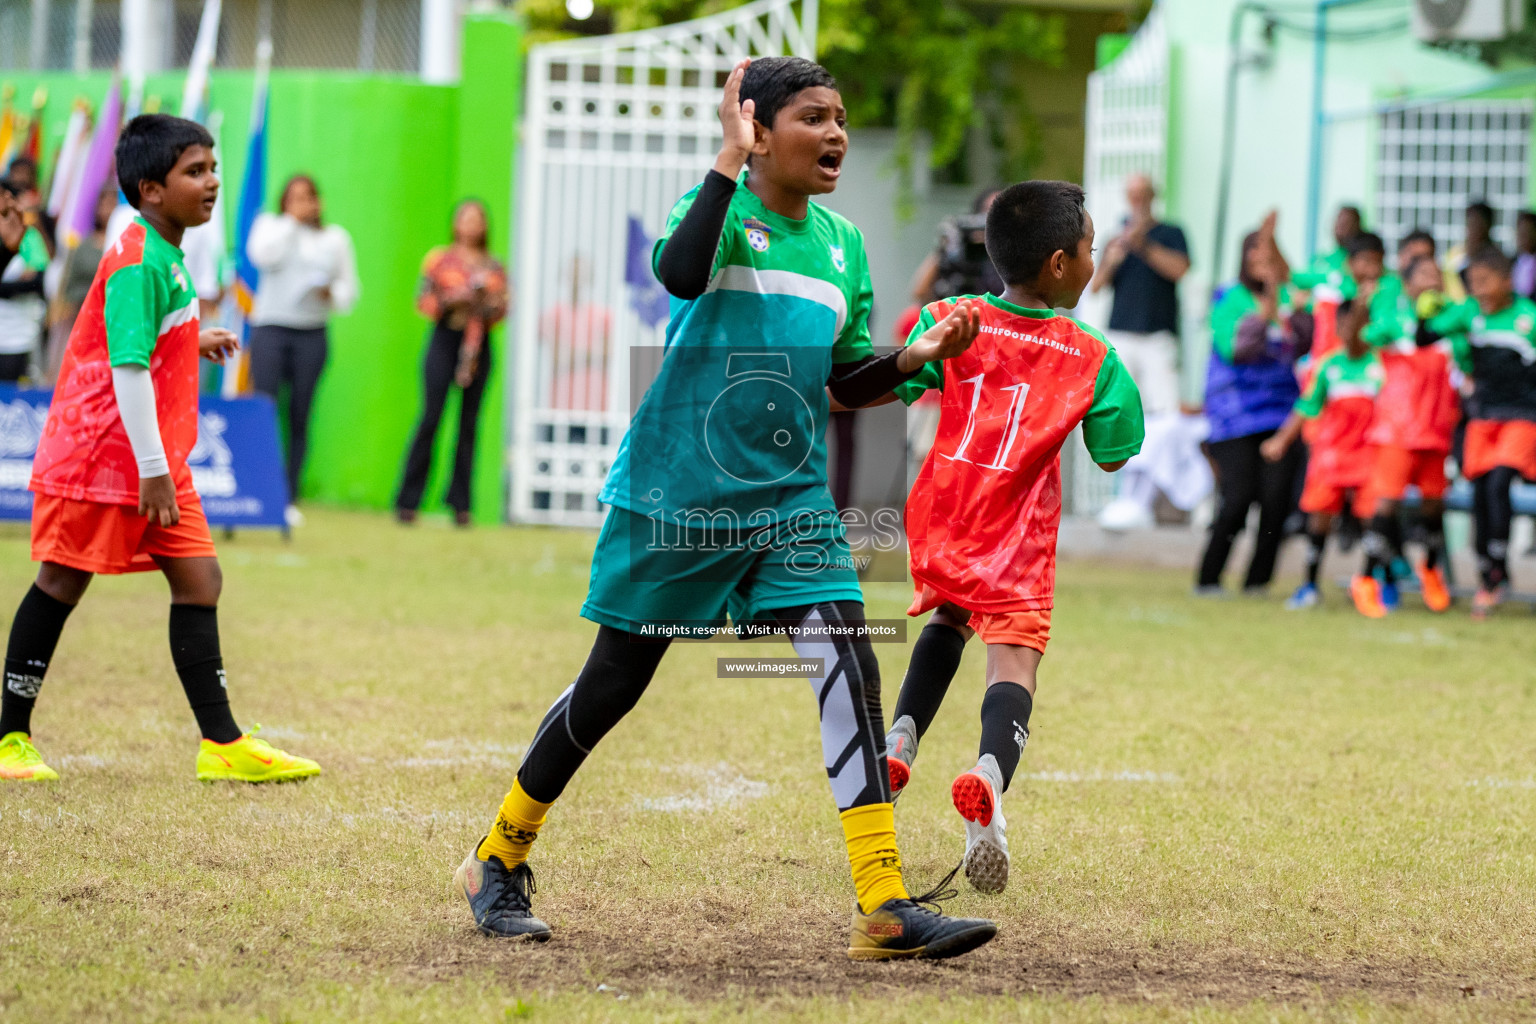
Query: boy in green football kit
x=719, y=499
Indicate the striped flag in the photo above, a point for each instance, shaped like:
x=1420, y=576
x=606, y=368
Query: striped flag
x=253, y=191
x=80, y=208
x=33, y=147
x=66, y=168
x=7, y=127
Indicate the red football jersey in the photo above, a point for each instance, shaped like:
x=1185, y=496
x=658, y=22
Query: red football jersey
x=1418, y=407
x=141, y=310
x=983, y=514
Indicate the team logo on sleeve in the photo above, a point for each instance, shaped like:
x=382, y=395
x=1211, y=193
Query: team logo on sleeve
x=839, y=261
x=757, y=234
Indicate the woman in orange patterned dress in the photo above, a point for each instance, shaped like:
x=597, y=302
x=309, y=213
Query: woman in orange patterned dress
x=464, y=291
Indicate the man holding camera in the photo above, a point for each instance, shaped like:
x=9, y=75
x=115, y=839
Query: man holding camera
x=1144, y=264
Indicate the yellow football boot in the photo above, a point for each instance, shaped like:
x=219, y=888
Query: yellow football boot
x=20, y=761
x=249, y=759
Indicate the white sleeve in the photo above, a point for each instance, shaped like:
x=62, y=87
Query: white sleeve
x=271, y=240
x=345, y=289
x=136, y=405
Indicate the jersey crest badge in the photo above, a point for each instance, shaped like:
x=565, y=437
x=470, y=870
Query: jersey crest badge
x=839, y=261
x=181, y=277
x=1523, y=323
x=757, y=234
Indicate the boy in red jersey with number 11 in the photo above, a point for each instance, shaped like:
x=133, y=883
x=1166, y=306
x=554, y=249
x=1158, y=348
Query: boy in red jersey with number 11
x=983, y=514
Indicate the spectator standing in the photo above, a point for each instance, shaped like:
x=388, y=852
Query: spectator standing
x=1257, y=334
x=1525, y=254
x=22, y=307
x=1327, y=277
x=1144, y=264
x=12, y=228
x=1479, y=236
x=464, y=292
x=75, y=277
x=308, y=273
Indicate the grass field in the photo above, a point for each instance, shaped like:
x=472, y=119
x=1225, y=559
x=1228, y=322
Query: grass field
x=1226, y=813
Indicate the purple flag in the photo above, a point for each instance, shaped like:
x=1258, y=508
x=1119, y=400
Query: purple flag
x=98, y=162
x=646, y=294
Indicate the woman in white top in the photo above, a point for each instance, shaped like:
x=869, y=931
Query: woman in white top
x=308, y=272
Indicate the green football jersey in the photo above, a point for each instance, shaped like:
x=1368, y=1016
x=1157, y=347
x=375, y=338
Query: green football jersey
x=735, y=422
x=1498, y=350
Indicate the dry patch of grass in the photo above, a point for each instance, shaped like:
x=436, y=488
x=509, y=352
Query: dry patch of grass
x=1225, y=813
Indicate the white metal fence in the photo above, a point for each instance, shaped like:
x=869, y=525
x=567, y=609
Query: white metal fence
x=1431, y=161
x=1127, y=133
x=617, y=128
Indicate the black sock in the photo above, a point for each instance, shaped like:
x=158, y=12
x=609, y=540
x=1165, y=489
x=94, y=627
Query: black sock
x=1392, y=529
x=1500, y=513
x=1005, y=725
x=1316, y=542
x=34, y=634
x=935, y=660
x=1434, y=539
x=1377, y=544
x=195, y=650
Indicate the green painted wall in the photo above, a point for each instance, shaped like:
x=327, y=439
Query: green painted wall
x=391, y=157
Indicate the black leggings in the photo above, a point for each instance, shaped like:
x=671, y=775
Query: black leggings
x=621, y=666
x=442, y=362
x=1245, y=477
x=1492, y=513
x=293, y=357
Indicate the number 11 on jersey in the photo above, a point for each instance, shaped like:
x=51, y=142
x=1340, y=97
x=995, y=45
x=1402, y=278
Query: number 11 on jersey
x=1015, y=412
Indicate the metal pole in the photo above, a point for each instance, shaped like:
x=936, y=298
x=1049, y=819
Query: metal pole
x=1315, y=145
x=368, y=35
x=83, y=19
x=37, y=42
x=1228, y=141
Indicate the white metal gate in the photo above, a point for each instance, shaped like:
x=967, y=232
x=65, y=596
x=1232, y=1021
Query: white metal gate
x=1127, y=133
x=1431, y=161
x=617, y=129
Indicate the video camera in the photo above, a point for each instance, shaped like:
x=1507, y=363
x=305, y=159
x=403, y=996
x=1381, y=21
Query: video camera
x=964, y=266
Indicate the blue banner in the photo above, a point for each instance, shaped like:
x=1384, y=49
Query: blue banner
x=237, y=465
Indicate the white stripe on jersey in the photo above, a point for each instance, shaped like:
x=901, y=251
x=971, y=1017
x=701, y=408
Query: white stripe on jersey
x=176, y=317
x=1512, y=340
x=735, y=278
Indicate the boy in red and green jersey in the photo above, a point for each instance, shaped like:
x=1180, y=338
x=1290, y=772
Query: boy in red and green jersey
x=1416, y=415
x=1008, y=404
x=1493, y=335
x=114, y=493
x=1339, y=404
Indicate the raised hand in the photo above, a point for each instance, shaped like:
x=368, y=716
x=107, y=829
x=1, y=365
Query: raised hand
x=946, y=339
x=737, y=124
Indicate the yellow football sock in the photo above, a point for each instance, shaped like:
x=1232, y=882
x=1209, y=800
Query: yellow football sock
x=517, y=826
x=871, y=834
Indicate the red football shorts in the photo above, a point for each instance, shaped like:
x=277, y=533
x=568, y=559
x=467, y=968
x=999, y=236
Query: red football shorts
x=1494, y=443
x=1024, y=627
x=1321, y=496
x=1396, y=469
x=96, y=537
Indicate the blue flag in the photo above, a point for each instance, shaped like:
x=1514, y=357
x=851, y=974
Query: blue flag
x=252, y=193
x=646, y=294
